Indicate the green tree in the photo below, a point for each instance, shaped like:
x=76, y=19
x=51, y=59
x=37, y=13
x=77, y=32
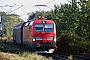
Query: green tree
x=9, y=21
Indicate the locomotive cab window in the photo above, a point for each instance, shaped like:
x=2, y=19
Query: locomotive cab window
x=38, y=27
x=44, y=27
x=49, y=27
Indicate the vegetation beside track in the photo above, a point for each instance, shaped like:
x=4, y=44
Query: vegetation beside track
x=12, y=51
x=72, y=45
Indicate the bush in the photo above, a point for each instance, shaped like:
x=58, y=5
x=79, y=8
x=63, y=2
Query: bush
x=72, y=44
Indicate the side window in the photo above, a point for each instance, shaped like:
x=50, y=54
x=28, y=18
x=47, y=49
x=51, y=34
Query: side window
x=29, y=23
x=26, y=24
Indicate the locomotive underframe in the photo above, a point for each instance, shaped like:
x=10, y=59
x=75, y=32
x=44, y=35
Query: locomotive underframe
x=39, y=46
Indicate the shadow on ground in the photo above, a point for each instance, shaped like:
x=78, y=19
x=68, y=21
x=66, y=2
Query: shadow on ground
x=11, y=47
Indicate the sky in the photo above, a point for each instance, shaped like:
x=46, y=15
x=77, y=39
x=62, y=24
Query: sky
x=27, y=6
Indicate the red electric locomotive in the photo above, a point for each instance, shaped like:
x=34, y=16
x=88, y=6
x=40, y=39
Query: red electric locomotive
x=38, y=35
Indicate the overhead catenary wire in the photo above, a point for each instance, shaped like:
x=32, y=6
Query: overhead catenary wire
x=50, y=1
x=11, y=9
x=16, y=9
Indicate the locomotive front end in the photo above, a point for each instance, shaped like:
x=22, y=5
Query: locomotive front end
x=44, y=35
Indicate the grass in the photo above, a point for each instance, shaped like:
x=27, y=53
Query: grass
x=24, y=56
x=12, y=51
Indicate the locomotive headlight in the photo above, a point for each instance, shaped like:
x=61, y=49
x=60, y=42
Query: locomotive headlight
x=55, y=38
x=43, y=22
x=33, y=39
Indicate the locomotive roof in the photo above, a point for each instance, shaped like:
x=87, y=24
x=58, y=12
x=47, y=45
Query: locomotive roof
x=40, y=21
x=19, y=25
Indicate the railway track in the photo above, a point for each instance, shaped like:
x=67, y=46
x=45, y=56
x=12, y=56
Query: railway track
x=55, y=56
x=81, y=57
x=60, y=56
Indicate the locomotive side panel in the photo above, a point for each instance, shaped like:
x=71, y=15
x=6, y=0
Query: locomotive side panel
x=18, y=33
x=18, y=36
x=30, y=32
x=27, y=34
